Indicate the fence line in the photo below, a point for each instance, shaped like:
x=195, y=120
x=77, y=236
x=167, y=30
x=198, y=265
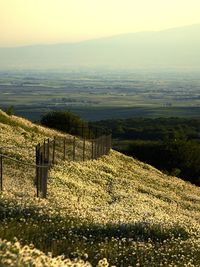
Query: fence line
x=11, y=147
x=67, y=148
x=19, y=161
x=34, y=177
x=10, y=168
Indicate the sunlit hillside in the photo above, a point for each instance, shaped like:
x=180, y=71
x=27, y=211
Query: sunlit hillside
x=21, y=133
x=115, y=208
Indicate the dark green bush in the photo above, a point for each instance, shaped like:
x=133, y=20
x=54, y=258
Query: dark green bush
x=65, y=121
x=9, y=110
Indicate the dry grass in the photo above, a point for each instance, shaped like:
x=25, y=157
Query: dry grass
x=114, y=207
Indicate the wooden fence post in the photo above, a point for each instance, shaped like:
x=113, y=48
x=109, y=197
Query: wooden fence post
x=41, y=172
x=82, y=129
x=98, y=148
x=37, y=168
x=54, y=148
x=94, y=149
x=99, y=141
x=44, y=150
x=110, y=142
x=48, y=151
x=74, y=148
x=104, y=141
x=44, y=168
x=1, y=172
x=101, y=145
x=107, y=144
x=44, y=180
x=92, y=157
x=64, y=156
x=84, y=149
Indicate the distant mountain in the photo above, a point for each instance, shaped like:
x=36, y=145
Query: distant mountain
x=179, y=47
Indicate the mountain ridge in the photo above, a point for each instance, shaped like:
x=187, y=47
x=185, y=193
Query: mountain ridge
x=177, y=47
x=107, y=37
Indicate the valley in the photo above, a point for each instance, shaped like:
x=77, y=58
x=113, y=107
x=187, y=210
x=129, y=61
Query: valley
x=97, y=95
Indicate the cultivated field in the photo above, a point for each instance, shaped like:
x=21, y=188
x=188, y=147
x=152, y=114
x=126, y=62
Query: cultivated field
x=96, y=95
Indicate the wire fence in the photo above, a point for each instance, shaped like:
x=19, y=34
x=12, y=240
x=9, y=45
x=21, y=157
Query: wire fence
x=25, y=178
x=18, y=177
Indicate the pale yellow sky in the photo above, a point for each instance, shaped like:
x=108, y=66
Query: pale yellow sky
x=25, y=22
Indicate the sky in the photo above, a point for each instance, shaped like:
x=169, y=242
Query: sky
x=27, y=22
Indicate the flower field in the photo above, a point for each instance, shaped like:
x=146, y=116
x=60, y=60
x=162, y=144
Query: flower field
x=112, y=211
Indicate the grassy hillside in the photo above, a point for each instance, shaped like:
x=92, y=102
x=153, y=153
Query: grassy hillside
x=115, y=207
x=21, y=133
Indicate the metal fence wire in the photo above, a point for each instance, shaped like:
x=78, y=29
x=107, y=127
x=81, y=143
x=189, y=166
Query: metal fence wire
x=24, y=178
x=19, y=177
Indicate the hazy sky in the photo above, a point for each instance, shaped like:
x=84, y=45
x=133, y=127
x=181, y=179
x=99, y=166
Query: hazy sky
x=52, y=21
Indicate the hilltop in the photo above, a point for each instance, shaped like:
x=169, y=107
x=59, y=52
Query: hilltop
x=173, y=48
x=115, y=207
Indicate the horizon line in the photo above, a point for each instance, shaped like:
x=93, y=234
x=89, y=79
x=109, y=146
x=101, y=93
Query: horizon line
x=95, y=39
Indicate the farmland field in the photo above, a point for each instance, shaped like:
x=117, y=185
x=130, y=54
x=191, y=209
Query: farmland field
x=96, y=95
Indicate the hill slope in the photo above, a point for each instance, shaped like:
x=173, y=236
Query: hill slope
x=115, y=207
x=171, y=48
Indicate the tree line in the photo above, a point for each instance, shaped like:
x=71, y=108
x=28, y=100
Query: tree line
x=170, y=144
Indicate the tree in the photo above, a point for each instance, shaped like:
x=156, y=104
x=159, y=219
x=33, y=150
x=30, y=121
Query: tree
x=65, y=121
x=9, y=110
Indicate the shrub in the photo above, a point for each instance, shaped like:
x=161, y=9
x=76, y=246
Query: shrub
x=65, y=121
x=9, y=110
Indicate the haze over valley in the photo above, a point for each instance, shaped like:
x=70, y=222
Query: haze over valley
x=173, y=48
x=96, y=95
